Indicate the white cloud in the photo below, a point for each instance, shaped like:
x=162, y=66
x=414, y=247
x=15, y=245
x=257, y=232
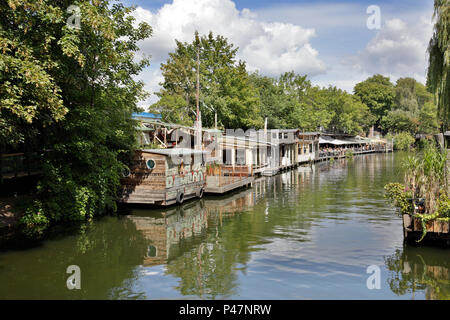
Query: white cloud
x=398, y=50
x=269, y=47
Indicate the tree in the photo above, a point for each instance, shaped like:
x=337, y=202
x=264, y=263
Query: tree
x=30, y=95
x=74, y=88
x=350, y=115
x=377, y=92
x=439, y=60
x=399, y=120
x=413, y=109
x=224, y=84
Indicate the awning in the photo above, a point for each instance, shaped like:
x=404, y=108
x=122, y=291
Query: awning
x=336, y=142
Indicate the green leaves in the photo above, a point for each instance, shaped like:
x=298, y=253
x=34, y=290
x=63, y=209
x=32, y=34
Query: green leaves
x=439, y=60
x=225, y=86
x=377, y=92
x=70, y=92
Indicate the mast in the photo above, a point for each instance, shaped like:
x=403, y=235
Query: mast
x=198, y=83
x=198, y=122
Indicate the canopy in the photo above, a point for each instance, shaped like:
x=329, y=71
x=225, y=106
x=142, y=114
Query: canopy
x=339, y=142
x=332, y=141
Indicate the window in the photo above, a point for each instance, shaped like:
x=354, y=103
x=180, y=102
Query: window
x=126, y=172
x=151, y=251
x=151, y=164
x=226, y=156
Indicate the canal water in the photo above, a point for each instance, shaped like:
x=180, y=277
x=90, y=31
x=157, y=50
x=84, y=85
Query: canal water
x=310, y=233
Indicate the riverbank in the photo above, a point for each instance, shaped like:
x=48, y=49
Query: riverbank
x=10, y=213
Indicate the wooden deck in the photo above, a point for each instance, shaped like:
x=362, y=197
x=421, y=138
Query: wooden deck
x=228, y=184
x=228, y=178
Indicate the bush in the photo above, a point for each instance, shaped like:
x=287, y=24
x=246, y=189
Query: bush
x=398, y=194
x=403, y=141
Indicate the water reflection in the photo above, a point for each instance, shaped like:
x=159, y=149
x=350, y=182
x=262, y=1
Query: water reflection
x=306, y=233
x=416, y=270
x=106, y=253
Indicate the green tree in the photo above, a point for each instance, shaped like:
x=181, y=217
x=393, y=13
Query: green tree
x=414, y=110
x=74, y=88
x=400, y=120
x=439, y=60
x=403, y=141
x=350, y=115
x=377, y=92
x=224, y=84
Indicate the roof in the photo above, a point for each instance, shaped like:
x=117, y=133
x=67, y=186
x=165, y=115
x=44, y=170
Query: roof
x=174, y=151
x=146, y=115
x=329, y=140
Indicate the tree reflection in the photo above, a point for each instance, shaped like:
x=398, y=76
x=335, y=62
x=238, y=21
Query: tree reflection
x=417, y=269
x=107, y=252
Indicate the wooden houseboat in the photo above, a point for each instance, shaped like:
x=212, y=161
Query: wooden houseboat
x=164, y=176
x=164, y=230
x=237, y=160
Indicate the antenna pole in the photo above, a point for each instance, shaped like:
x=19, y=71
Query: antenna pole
x=198, y=82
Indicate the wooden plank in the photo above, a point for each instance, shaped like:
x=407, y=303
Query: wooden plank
x=430, y=226
x=437, y=226
x=417, y=224
x=445, y=227
x=407, y=220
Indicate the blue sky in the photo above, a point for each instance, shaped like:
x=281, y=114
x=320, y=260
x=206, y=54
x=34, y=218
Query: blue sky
x=327, y=40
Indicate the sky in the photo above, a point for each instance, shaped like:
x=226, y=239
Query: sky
x=337, y=43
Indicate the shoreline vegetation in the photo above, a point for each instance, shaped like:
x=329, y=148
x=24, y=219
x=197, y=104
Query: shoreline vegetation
x=425, y=191
x=70, y=93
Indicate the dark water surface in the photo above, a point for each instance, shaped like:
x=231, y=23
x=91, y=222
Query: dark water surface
x=304, y=234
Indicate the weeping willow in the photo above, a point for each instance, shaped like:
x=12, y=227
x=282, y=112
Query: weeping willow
x=439, y=60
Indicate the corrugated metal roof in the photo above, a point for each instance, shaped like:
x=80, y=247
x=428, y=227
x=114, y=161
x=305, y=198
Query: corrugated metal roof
x=145, y=115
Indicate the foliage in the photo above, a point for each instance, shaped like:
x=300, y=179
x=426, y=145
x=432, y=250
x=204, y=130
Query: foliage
x=378, y=93
x=425, y=178
x=413, y=109
x=439, y=60
x=70, y=92
x=403, y=141
x=291, y=101
x=399, y=197
x=225, y=86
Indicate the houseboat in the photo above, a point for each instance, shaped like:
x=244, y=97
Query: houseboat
x=164, y=176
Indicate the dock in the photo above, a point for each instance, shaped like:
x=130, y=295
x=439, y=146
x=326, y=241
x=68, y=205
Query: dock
x=435, y=230
x=228, y=179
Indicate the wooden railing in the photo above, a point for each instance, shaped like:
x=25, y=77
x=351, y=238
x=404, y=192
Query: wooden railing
x=229, y=174
x=16, y=165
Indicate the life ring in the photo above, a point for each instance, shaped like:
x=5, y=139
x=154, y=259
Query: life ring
x=180, y=197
